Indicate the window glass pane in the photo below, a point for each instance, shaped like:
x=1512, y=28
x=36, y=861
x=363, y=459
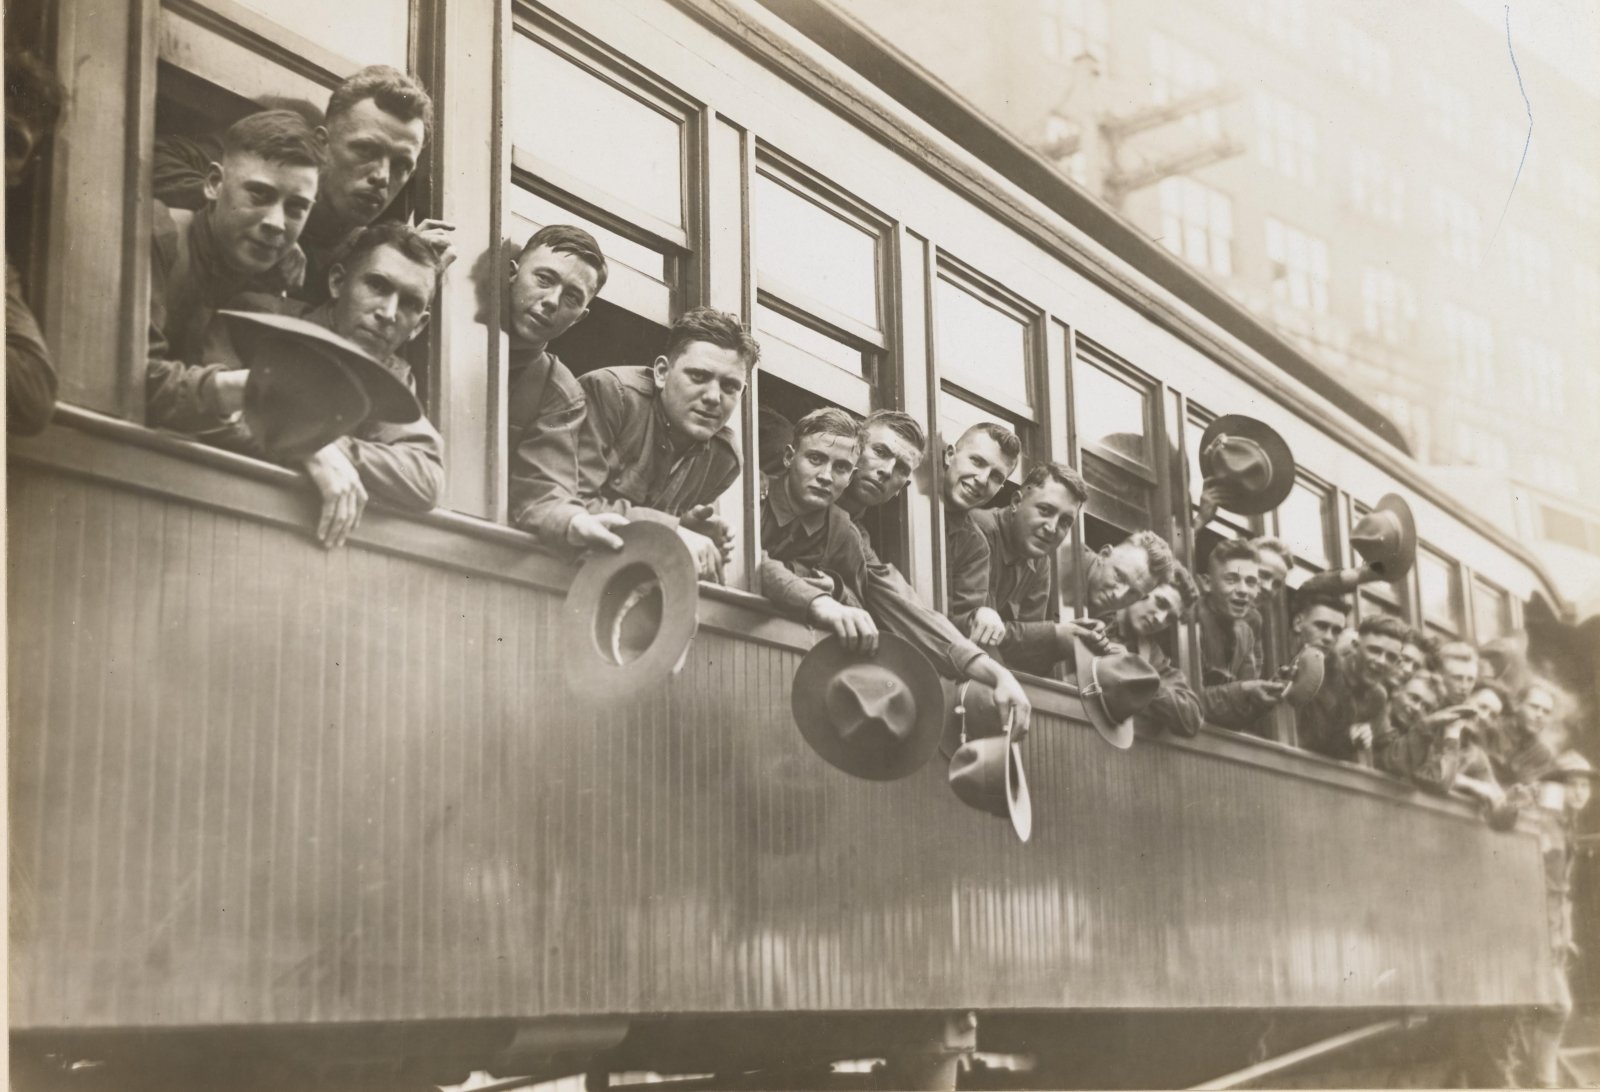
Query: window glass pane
x=601, y=134
x=531, y=212
x=774, y=325
x=1122, y=497
x=1493, y=610
x=815, y=252
x=1111, y=412
x=1302, y=523
x=1437, y=579
x=365, y=31
x=982, y=347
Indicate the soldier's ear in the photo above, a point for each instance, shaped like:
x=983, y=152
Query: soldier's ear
x=788, y=456
x=949, y=450
x=661, y=367
x=213, y=182
x=422, y=324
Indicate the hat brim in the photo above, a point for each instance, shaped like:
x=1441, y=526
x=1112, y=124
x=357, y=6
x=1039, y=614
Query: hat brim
x=1011, y=799
x=1310, y=668
x=1119, y=735
x=1278, y=454
x=650, y=551
x=391, y=399
x=1019, y=801
x=1405, y=554
x=808, y=701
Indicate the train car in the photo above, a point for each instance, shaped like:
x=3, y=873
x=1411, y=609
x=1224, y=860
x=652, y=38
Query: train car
x=285, y=816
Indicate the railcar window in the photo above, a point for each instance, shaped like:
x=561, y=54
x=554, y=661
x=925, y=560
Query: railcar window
x=984, y=346
x=815, y=249
x=1491, y=611
x=1377, y=598
x=1304, y=523
x=366, y=31
x=617, y=141
x=1440, y=582
x=1114, y=410
x=234, y=49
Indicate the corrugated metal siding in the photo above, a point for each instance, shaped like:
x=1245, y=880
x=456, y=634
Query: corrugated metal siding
x=255, y=781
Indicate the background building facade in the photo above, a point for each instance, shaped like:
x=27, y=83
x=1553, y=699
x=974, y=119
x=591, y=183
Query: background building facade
x=1350, y=172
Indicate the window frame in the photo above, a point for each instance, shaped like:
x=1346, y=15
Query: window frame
x=1451, y=626
x=1028, y=420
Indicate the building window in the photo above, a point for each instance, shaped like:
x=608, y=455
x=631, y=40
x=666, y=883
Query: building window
x=1459, y=226
x=1288, y=21
x=1377, y=188
x=1476, y=447
x=1299, y=267
x=1446, y=110
x=1364, y=59
x=1197, y=223
x=1528, y=260
x=1286, y=138
x=1555, y=474
x=1073, y=27
x=1544, y=378
x=1469, y=342
x=1388, y=307
x=1176, y=71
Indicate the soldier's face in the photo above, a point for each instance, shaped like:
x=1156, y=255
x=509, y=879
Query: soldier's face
x=975, y=469
x=1319, y=627
x=1274, y=571
x=258, y=209
x=1155, y=612
x=550, y=293
x=885, y=465
x=700, y=389
x=1041, y=517
x=819, y=469
x=382, y=302
x=371, y=156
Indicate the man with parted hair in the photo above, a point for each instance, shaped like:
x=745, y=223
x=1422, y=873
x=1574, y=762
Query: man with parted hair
x=1458, y=663
x=1017, y=617
x=975, y=467
x=1235, y=694
x=554, y=279
x=1350, y=711
x=377, y=124
x=258, y=195
x=656, y=443
x=1317, y=621
x=1138, y=627
x=817, y=568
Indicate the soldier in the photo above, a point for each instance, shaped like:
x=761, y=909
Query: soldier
x=1235, y=694
x=1348, y=712
x=656, y=444
x=33, y=103
x=975, y=467
x=378, y=122
x=817, y=568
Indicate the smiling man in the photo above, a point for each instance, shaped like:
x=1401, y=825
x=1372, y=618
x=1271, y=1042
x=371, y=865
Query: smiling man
x=243, y=239
x=1020, y=539
x=817, y=567
x=1235, y=695
x=1350, y=711
x=656, y=443
x=1138, y=626
x=975, y=467
x=378, y=121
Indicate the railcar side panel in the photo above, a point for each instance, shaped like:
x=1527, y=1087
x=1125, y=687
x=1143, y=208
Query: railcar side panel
x=254, y=782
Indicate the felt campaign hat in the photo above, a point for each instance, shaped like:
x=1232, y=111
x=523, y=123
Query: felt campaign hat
x=1114, y=690
x=875, y=716
x=1386, y=537
x=630, y=614
x=307, y=385
x=1305, y=676
x=1246, y=464
x=986, y=771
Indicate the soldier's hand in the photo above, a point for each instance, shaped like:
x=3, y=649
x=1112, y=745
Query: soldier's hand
x=988, y=628
x=1011, y=701
x=227, y=389
x=1361, y=735
x=851, y=625
x=707, y=558
x=1264, y=693
x=344, y=498
x=1091, y=631
x=438, y=234
x=703, y=519
x=597, y=532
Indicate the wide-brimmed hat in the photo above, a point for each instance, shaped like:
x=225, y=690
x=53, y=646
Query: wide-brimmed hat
x=1306, y=673
x=288, y=344
x=1114, y=690
x=986, y=773
x=630, y=614
x=873, y=716
x=1386, y=537
x=1245, y=464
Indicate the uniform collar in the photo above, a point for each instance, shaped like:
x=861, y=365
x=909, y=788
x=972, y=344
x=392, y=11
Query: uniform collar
x=784, y=510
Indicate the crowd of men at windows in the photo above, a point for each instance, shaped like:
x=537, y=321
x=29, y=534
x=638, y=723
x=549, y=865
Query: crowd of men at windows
x=282, y=215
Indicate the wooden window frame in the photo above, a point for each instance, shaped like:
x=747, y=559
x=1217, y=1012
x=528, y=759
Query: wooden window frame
x=1453, y=628
x=1030, y=417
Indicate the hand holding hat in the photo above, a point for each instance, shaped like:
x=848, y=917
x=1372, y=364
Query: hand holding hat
x=986, y=770
x=1115, y=688
x=1245, y=465
x=1386, y=539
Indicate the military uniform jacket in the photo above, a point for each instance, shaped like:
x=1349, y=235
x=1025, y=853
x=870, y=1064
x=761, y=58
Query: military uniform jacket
x=1019, y=591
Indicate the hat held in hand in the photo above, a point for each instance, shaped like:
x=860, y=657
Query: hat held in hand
x=875, y=716
x=986, y=771
x=308, y=386
x=630, y=614
x=1246, y=466
x=1386, y=537
x=1114, y=690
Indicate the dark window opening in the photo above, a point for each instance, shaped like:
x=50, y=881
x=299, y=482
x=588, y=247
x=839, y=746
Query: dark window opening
x=610, y=337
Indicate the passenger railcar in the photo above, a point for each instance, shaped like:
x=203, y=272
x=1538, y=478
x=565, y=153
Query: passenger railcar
x=277, y=809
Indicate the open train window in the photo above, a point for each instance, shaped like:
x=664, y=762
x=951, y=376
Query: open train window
x=1378, y=598
x=985, y=355
x=1116, y=415
x=610, y=161
x=1491, y=611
